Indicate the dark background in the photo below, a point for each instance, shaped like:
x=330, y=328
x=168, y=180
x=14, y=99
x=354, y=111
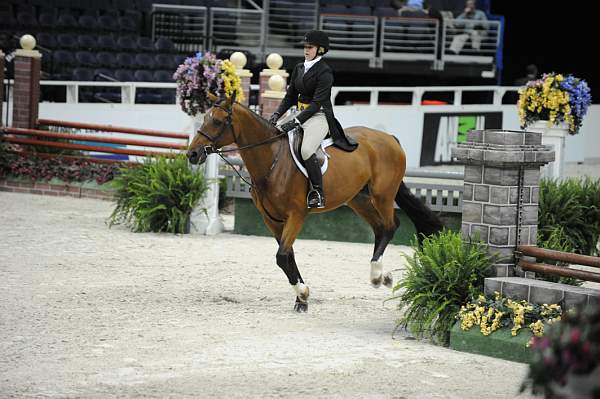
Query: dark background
x=556, y=36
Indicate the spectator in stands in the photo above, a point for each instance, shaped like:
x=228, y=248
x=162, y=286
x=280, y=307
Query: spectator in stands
x=532, y=72
x=310, y=89
x=470, y=20
x=434, y=13
x=413, y=8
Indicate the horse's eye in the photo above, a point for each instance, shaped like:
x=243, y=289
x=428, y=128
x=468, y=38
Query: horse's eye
x=217, y=122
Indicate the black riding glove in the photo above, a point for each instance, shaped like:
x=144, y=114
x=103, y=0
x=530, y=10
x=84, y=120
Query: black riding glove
x=273, y=119
x=288, y=126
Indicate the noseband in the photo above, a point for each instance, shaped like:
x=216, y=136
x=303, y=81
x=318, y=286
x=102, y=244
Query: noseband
x=210, y=149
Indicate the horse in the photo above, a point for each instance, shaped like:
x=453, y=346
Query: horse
x=369, y=180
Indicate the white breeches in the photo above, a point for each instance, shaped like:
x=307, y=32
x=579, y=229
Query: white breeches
x=315, y=130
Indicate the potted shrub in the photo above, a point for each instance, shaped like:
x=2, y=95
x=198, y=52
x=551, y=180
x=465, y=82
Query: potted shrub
x=158, y=195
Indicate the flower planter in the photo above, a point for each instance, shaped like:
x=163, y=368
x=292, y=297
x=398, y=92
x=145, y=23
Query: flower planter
x=554, y=136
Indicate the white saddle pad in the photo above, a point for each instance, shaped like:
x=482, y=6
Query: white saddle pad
x=321, y=153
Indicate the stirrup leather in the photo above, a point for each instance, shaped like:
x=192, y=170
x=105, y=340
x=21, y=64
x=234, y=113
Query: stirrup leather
x=315, y=199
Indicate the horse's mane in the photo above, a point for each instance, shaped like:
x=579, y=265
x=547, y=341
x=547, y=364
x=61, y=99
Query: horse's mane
x=265, y=123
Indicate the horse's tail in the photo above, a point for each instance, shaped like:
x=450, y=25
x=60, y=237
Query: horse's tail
x=426, y=222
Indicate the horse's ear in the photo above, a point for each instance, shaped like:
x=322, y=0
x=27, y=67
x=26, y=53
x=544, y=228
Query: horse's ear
x=232, y=98
x=212, y=98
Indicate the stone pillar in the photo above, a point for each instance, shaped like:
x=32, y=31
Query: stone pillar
x=273, y=96
x=1, y=86
x=239, y=60
x=274, y=62
x=501, y=192
x=26, y=92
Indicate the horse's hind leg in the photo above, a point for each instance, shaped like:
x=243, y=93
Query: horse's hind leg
x=384, y=232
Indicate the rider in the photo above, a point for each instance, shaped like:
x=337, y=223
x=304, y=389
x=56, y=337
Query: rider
x=310, y=89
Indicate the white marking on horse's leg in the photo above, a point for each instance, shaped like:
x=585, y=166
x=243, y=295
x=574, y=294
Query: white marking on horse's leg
x=302, y=291
x=376, y=273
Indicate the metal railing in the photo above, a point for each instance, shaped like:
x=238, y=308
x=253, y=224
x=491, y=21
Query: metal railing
x=351, y=36
x=279, y=25
x=236, y=27
x=460, y=30
x=409, y=38
x=286, y=22
x=185, y=26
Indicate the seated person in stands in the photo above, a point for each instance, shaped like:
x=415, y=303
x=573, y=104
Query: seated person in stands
x=469, y=21
x=413, y=8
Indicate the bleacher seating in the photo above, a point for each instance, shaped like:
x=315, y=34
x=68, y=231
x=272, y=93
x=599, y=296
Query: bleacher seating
x=111, y=39
x=91, y=39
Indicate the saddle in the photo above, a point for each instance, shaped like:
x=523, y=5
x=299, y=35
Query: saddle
x=295, y=140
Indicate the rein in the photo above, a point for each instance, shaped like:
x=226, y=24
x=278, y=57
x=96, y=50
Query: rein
x=210, y=149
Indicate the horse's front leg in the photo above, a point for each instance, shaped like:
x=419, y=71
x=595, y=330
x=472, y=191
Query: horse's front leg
x=287, y=262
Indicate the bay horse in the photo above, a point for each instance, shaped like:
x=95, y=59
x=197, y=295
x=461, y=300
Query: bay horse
x=368, y=180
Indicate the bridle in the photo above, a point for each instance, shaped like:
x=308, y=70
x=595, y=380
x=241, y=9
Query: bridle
x=212, y=149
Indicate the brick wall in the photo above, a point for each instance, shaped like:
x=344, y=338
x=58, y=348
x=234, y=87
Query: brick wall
x=1, y=86
x=54, y=189
x=269, y=106
x=26, y=91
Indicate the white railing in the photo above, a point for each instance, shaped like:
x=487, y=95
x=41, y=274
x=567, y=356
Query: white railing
x=128, y=89
x=417, y=93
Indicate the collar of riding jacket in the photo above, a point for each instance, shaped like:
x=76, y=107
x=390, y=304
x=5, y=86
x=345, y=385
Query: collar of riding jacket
x=309, y=64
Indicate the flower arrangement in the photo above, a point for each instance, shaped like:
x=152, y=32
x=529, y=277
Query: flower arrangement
x=555, y=98
x=492, y=314
x=570, y=350
x=203, y=74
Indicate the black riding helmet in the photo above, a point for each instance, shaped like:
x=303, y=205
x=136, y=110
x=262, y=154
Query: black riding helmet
x=318, y=38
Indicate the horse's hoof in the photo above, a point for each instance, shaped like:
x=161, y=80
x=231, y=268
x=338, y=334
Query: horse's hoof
x=301, y=307
x=376, y=282
x=388, y=280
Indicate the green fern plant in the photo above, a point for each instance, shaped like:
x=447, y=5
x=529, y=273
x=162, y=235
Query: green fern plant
x=158, y=195
x=573, y=204
x=441, y=275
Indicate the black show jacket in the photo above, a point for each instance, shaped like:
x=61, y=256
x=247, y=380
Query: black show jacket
x=314, y=88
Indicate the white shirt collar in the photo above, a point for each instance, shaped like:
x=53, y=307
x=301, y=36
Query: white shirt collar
x=309, y=64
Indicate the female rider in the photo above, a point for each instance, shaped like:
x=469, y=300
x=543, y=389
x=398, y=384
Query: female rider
x=310, y=89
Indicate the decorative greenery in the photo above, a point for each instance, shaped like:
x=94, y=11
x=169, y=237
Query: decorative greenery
x=157, y=196
x=491, y=314
x=68, y=170
x=574, y=205
x=443, y=274
x=555, y=98
x=569, y=347
x=203, y=74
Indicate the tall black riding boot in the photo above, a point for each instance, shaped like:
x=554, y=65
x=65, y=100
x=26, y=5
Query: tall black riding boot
x=315, y=198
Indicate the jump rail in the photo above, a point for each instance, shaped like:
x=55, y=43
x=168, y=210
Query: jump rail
x=548, y=254
x=85, y=142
